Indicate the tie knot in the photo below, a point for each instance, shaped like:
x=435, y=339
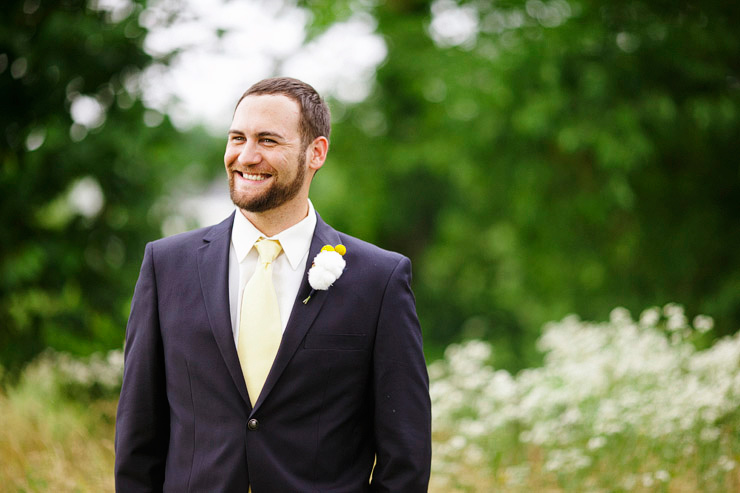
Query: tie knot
x=267, y=249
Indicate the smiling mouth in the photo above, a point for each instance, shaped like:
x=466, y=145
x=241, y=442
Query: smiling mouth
x=253, y=176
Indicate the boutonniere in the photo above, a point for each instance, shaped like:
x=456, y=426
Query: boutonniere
x=327, y=266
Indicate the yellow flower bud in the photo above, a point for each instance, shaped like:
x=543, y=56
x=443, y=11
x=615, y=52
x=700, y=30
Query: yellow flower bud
x=340, y=249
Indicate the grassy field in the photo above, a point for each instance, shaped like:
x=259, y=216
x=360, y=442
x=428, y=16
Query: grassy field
x=620, y=406
x=49, y=446
x=51, y=443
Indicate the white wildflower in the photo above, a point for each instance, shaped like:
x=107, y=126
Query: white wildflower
x=703, y=323
x=596, y=442
x=457, y=442
x=709, y=434
x=629, y=482
x=517, y=475
x=650, y=317
x=567, y=460
x=474, y=455
x=676, y=322
x=672, y=310
x=662, y=475
x=471, y=428
x=620, y=315
x=726, y=464
x=647, y=480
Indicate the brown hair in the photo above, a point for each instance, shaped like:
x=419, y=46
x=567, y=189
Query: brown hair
x=315, y=117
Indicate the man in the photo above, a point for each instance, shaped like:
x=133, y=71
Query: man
x=238, y=375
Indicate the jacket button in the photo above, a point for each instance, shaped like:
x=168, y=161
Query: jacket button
x=253, y=424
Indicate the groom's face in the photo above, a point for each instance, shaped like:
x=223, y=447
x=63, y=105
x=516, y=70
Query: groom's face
x=265, y=157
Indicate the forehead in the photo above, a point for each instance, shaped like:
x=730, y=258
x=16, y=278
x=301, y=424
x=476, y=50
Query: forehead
x=267, y=112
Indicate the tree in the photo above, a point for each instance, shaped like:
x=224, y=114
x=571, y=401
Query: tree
x=544, y=157
x=83, y=163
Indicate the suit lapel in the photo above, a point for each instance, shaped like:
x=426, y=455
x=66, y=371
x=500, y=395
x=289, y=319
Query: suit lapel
x=302, y=315
x=213, y=269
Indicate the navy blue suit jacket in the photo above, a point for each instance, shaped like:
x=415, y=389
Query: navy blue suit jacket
x=348, y=385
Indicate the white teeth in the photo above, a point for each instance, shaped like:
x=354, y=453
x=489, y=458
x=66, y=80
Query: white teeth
x=254, y=177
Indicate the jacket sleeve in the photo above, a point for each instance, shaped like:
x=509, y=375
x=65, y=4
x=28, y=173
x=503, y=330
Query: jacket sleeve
x=142, y=420
x=402, y=407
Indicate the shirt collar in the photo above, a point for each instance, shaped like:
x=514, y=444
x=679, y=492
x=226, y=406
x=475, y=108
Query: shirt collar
x=295, y=240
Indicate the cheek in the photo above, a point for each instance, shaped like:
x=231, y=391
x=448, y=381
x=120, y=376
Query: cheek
x=229, y=157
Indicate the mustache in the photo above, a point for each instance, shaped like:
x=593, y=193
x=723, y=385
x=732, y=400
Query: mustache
x=252, y=168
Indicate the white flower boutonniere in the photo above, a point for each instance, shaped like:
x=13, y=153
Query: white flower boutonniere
x=327, y=266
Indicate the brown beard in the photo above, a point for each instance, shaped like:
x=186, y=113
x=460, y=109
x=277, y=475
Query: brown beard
x=273, y=197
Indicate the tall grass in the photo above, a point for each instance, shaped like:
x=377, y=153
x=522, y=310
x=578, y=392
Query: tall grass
x=53, y=436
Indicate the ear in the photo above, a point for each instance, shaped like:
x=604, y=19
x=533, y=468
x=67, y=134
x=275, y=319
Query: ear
x=316, y=153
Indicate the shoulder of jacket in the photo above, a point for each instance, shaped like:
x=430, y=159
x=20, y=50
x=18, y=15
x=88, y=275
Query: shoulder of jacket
x=191, y=239
x=365, y=250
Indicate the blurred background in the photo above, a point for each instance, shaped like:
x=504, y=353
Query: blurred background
x=533, y=158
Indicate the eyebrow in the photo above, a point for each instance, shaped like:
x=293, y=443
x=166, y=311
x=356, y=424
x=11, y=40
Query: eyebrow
x=271, y=133
x=266, y=133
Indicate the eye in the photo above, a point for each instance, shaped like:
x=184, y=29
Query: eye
x=236, y=138
x=267, y=141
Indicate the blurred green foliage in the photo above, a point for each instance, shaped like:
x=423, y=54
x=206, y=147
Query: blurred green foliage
x=77, y=198
x=557, y=156
x=565, y=157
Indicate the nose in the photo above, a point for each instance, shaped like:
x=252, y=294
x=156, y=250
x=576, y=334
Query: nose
x=249, y=154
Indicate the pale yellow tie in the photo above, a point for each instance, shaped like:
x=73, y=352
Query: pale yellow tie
x=260, y=330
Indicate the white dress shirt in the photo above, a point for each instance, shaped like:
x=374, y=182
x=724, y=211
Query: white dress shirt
x=287, y=269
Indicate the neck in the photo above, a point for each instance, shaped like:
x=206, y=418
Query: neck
x=272, y=222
